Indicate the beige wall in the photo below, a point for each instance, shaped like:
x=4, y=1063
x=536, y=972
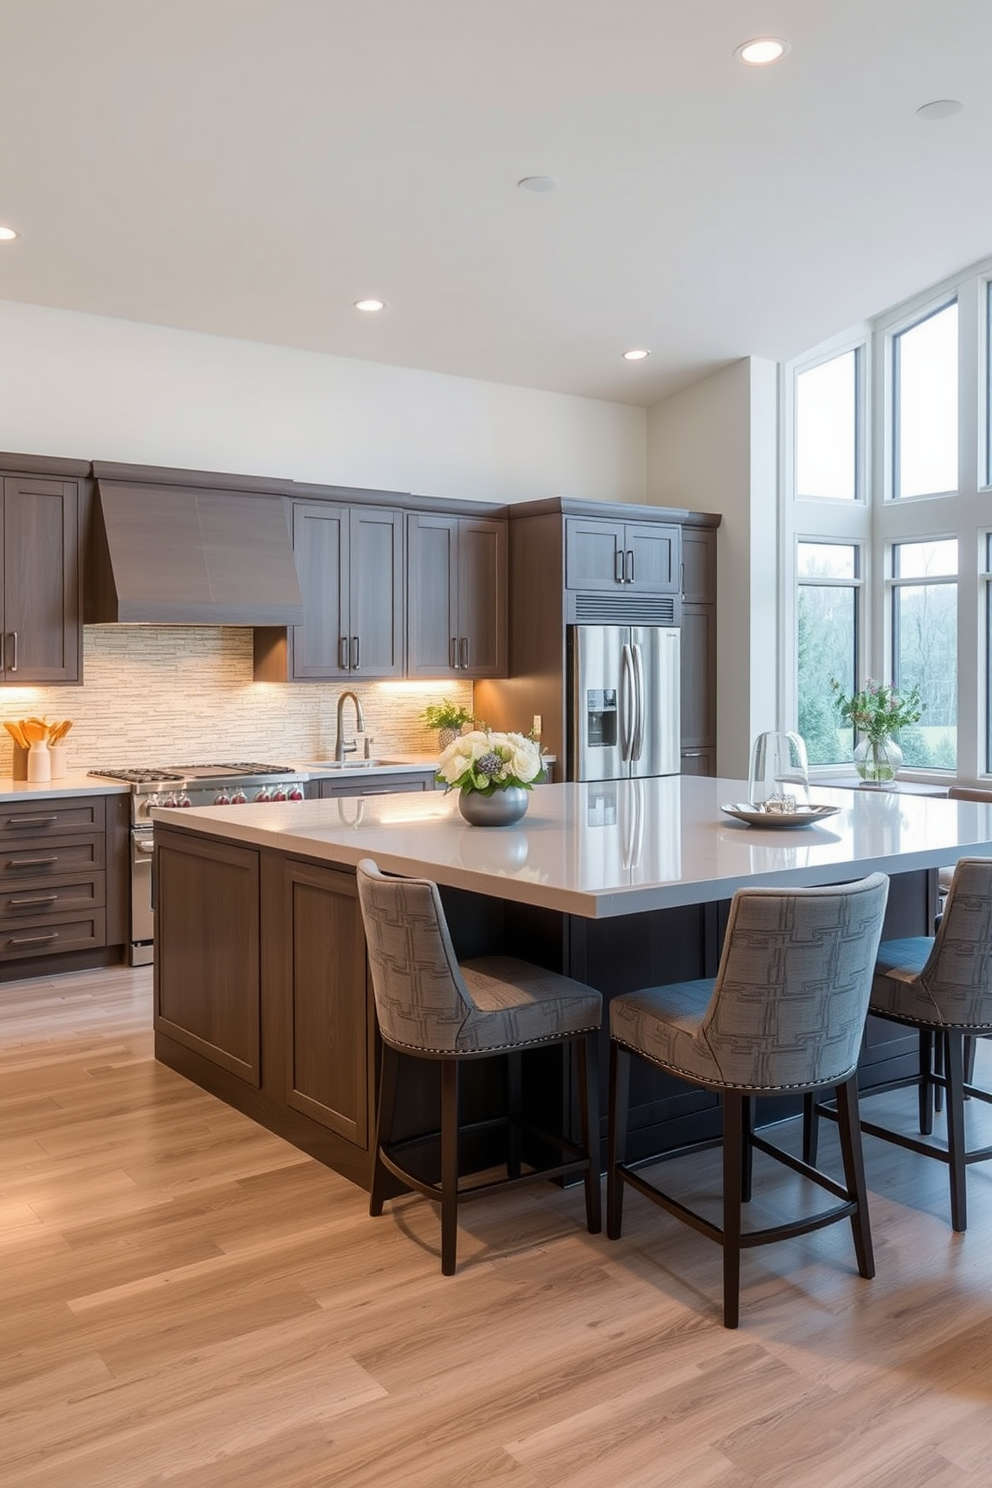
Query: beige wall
x=95, y=388
x=713, y=447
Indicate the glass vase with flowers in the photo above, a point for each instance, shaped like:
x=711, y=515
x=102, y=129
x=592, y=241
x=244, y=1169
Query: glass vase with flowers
x=878, y=711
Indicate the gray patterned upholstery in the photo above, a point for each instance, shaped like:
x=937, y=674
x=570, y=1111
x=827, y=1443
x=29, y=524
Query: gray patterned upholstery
x=426, y=1001
x=788, y=1004
x=944, y=981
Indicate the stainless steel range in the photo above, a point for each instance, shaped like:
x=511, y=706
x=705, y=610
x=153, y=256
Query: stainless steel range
x=179, y=786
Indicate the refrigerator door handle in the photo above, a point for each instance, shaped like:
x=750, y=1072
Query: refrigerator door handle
x=628, y=701
x=637, y=743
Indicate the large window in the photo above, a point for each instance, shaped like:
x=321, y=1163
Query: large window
x=925, y=405
x=924, y=646
x=827, y=428
x=827, y=615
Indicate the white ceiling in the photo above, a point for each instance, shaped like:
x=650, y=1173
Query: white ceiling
x=252, y=167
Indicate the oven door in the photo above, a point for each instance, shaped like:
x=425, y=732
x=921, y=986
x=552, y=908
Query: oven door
x=142, y=919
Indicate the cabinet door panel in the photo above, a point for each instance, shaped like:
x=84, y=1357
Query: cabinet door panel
x=432, y=595
x=328, y=1043
x=593, y=553
x=482, y=598
x=320, y=547
x=40, y=581
x=698, y=676
x=207, y=979
x=376, y=612
x=652, y=557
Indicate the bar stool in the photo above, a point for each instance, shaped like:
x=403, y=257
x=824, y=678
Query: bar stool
x=430, y=1006
x=783, y=1016
x=942, y=986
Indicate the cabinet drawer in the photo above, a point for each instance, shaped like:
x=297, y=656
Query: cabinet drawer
x=73, y=933
x=47, y=901
x=50, y=818
x=40, y=860
x=376, y=787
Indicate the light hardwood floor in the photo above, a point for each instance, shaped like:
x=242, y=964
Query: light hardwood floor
x=188, y=1301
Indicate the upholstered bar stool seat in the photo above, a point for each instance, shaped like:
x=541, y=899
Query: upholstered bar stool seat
x=942, y=986
x=431, y=1006
x=783, y=1016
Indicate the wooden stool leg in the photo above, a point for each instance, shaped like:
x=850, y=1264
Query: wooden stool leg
x=811, y=1128
x=849, y=1123
x=733, y=1168
x=954, y=1057
x=938, y=1069
x=388, y=1075
x=513, y=1089
x=449, y=1165
x=617, y=1142
x=926, y=1089
x=747, y=1151
x=588, y=1054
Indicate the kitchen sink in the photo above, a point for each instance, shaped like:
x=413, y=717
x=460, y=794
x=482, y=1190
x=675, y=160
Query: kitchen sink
x=357, y=764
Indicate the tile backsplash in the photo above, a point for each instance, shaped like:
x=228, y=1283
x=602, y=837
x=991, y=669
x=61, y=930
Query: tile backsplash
x=159, y=695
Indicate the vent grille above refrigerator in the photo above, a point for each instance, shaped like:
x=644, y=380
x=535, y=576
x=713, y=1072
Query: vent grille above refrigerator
x=623, y=609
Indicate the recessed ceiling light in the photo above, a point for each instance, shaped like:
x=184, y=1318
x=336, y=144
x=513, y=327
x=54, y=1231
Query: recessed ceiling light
x=941, y=108
x=762, y=50
x=637, y=355
x=370, y=306
x=537, y=183
x=7, y=235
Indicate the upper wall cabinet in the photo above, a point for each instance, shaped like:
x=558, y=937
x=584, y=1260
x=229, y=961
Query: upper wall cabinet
x=42, y=637
x=633, y=556
x=456, y=596
x=350, y=565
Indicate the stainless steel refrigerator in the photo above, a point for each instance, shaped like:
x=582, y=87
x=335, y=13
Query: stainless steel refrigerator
x=624, y=685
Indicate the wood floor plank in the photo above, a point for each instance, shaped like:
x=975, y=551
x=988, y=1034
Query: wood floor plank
x=188, y=1302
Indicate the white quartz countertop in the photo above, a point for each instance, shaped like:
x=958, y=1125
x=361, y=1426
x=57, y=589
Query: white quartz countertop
x=600, y=850
x=76, y=784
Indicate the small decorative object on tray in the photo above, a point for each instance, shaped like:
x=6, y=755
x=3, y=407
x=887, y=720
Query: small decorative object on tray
x=492, y=773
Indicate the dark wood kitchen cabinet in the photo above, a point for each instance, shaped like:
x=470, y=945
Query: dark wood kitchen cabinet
x=699, y=650
x=632, y=557
x=40, y=600
x=351, y=571
x=456, y=596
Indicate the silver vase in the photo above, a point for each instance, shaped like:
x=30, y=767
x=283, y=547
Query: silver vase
x=501, y=809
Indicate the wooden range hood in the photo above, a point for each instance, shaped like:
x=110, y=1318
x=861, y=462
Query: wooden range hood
x=169, y=554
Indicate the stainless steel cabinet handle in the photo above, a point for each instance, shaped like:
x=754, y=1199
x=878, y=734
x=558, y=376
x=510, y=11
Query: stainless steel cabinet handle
x=31, y=862
x=453, y=653
x=618, y=564
x=464, y=651
x=19, y=940
x=628, y=566
x=13, y=662
x=32, y=899
x=31, y=821
x=342, y=653
x=356, y=653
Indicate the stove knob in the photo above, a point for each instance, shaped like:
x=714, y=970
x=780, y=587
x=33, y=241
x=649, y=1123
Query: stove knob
x=184, y=800
x=238, y=797
x=264, y=794
x=294, y=794
x=279, y=794
x=222, y=798
x=169, y=799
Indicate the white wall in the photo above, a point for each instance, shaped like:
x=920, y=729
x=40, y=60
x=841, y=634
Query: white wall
x=96, y=388
x=713, y=447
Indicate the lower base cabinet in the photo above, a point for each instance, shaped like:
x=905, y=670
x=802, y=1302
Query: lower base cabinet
x=261, y=994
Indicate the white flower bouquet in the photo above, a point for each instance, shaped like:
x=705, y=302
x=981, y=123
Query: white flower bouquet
x=487, y=762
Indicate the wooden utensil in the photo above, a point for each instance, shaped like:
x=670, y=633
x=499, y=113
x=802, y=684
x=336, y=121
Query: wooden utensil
x=34, y=730
x=14, y=730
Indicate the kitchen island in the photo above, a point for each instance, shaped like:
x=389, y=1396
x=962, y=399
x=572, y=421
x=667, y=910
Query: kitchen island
x=261, y=989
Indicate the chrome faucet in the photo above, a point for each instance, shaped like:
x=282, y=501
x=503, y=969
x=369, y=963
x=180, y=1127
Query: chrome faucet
x=341, y=747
